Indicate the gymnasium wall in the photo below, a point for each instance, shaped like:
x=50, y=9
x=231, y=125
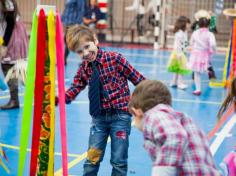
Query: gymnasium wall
x=122, y=23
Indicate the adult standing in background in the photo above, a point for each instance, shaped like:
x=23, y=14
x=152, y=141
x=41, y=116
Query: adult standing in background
x=92, y=14
x=15, y=44
x=72, y=14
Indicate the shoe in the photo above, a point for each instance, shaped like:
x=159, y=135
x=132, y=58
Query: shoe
x=197, y=92
x=211, y=75
x=182, y=86
x=173, y=84
x=12, y=104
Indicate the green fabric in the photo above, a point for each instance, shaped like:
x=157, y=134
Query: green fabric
x=28, y=97
x=178, y=64
x=212, y=25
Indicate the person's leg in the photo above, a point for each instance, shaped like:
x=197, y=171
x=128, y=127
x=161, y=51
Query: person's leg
x=120, y=131
x=99, y=133
x=139, y=24
x=211, y=72
x=180, y=82
x=197, y=80
x=13, y=87
x=173, y=82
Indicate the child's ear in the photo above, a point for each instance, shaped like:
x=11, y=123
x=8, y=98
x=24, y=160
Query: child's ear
x=95, y=40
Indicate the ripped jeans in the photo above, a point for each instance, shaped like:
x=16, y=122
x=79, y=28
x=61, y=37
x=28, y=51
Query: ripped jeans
x=116, y=125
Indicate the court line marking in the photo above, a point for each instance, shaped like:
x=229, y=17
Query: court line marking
x=29, y=150
x=222, y=135
x=174, y=99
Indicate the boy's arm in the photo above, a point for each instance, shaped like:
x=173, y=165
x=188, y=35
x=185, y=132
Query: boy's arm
x=79, y=83
x=128, y=70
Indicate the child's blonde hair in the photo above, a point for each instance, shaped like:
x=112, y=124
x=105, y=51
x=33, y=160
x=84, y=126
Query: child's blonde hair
x=75, y=33
x=148, y=94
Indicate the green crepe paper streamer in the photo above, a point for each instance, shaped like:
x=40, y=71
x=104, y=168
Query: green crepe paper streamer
x=28, y=97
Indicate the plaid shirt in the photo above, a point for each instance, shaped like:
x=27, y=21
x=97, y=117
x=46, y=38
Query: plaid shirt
x=114, y=72
x=73, y=12
x=172, y=139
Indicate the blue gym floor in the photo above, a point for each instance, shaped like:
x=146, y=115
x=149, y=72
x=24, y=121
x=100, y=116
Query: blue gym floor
x=152, y=64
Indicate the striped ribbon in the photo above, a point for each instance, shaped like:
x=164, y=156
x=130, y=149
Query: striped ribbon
x=28, y=97
x=38, y=93
x=52, y=56
x=61, y=91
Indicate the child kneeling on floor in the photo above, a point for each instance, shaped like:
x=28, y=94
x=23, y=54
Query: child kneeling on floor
x=175, y=144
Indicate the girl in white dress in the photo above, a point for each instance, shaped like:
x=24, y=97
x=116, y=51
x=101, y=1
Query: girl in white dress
x=178, y=62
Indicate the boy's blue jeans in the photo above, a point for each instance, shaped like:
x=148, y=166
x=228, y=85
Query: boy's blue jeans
x=117, y=125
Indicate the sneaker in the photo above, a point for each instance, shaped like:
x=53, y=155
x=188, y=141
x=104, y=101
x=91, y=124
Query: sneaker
x=211, y=75
x=182, y=86
x=197, y=92
x=173, y=84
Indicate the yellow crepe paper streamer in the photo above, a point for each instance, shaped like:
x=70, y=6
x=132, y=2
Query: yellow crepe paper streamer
x=223, y=82
x=52, y=56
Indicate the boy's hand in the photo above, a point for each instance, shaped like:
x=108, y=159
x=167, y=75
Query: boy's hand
x=57, y=101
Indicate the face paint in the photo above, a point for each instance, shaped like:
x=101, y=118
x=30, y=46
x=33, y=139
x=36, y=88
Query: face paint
x=88, y=51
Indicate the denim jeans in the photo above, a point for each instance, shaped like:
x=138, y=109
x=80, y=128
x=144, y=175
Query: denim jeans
x=117, y=126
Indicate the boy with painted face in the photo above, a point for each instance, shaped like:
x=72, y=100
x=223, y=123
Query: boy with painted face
x=107, y=75
x=175, y=144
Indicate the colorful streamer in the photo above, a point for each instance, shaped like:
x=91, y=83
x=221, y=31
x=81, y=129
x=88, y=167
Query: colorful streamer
x=28, y=97
x=230, y=58
x=52, y=56
x=41, y=73
x=61, y=90
x=38, y=93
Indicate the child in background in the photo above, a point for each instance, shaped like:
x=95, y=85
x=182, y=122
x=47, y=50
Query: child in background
x=203, y=44
x=178, y=60
x=92, y=14
x=175, y=144
x=212, y=28
x=16, y=44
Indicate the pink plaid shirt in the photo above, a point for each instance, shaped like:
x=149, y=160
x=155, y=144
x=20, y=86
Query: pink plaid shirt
x=172, y=139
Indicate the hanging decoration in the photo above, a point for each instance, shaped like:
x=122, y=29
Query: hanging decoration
x=46, y=48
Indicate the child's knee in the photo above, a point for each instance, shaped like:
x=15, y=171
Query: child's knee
x=94, y=155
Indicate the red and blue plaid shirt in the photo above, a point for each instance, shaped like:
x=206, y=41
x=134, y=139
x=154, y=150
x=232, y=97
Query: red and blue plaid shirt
x=172, y=139
x=114, y=72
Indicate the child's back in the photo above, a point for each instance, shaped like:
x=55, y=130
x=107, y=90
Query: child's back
x=203, y=40
x=178, y=142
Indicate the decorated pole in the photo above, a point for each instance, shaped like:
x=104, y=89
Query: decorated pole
x=230, y=60
x=46, y=48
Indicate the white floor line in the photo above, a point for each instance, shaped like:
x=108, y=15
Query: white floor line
x=222, y=135
x=174, y=99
